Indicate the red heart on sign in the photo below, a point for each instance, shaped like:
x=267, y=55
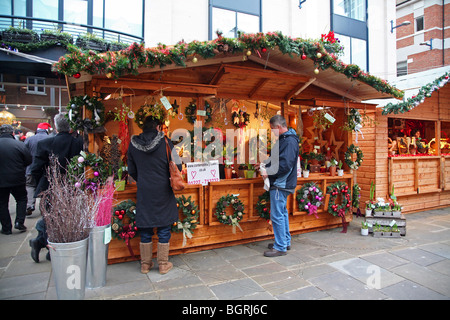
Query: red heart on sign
x=213, y=172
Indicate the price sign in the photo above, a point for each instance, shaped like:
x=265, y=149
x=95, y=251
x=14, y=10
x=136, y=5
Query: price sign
x=203, y=172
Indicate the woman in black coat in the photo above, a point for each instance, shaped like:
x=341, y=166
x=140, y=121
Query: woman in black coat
x=156, y=206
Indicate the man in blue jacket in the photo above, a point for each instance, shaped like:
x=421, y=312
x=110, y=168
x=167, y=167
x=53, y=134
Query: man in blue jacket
x=282, y=174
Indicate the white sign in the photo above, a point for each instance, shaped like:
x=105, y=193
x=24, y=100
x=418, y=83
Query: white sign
x=299, y=168
x=203, y=172
x=166, y=103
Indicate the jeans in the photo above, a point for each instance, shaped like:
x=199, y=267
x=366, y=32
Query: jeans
x=164, y=234
x=280, y=219
x=20, y=195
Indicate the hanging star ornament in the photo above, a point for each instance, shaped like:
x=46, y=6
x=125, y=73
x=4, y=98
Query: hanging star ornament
x=334, y=145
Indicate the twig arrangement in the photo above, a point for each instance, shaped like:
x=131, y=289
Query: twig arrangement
x=69, y=212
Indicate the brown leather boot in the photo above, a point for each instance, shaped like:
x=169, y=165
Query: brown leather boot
x=146, y=256
x=163, y=258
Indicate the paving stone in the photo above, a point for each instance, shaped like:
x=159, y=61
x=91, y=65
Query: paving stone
x=408, y=290
x=201, y=292
x=24, y=285
x=366, y=272
x=441, y=266
x=223, y=273
x=385, y=260
x=307, y=293
x=344, y=287
x=418, y=256
x=266, y=269
x=425, y=277
x=440, y=249
x=236, y=289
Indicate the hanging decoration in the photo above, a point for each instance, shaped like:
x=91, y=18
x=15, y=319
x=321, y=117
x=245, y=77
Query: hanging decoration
x=154, y=110
x=424, y=92
x=128, y=61
x=93, y=167
x=348, y=157
x=191, y=112
x=123, y=114
x=190, y=218
x=310, y=198
x=75, y=113
x=354, y=123
x=123, y=223
x=238, y=211
x=339, y=210
x=240, y=118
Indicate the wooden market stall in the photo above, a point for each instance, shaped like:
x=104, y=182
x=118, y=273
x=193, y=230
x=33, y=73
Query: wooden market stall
x=417, y=168
x=255, y=76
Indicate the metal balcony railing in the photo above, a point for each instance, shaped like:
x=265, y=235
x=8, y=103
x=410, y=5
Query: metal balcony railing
x=38, y=25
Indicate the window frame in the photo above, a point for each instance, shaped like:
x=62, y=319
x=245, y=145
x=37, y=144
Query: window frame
x=36, y=86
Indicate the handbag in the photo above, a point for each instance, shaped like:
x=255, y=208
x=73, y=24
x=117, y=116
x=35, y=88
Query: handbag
x=176, y=180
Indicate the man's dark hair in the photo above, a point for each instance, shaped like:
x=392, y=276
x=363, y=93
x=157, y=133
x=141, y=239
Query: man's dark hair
x=150, y=123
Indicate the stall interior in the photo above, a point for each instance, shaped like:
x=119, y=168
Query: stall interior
x=445, y=138
x=411, y=137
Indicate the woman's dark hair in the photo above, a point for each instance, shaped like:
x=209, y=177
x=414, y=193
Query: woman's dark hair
x=150, y=123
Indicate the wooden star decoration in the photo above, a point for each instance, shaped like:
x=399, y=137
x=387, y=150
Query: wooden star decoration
x=175, y=106
x=334, y=145
x=313, y=130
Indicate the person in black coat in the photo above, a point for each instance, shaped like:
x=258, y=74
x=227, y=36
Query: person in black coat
x=156, y=206
x=64, y=146
x=14, y=159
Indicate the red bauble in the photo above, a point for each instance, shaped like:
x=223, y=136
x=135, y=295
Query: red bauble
x=117, y=212
x=77, y=75
x=120, y=217
x=303, y=56
x=263, y=50
x=122, y=211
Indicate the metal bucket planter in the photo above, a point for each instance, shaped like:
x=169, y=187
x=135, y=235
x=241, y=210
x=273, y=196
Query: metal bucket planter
x=69, y=261
x=98, y=256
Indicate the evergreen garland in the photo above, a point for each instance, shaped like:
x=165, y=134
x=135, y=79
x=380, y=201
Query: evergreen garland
x=414, y=101
x=116, y=64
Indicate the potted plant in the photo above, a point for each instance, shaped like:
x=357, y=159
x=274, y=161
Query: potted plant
x=315, y=157
x=340, y=171
x=68, y=211
x=119, y=183
x=371, y=205
x=116, y=46
x=333, y=164
x=56, y=36
x=21, y=35
x=396, y=210
x=90, y=41
x=305, y=169
x=250, y=171
x=228, y=169
x=364, y=228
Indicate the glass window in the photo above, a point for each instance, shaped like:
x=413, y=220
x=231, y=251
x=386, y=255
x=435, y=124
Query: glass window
x=5, y=7
x=126, y=18
x=224, y=21
x=419, y=24
x=32, y=88
x=97, y=19
x=359, y=53
x=354, y=9
x=75, y=11
x=402, y=68
x=355, y=51
x=230, y=22
x=45, y=9
x=20, y=8
x=247, y=23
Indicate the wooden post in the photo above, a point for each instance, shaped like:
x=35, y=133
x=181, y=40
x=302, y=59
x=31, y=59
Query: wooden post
x=300, y=122
x=283, y=110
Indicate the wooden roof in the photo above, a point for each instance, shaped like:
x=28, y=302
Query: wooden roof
x=271, y=76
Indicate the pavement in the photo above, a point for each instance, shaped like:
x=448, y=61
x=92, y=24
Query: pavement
x=322, y=265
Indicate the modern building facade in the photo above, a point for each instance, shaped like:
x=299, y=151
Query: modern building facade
x=422, y=43
x=362, y=26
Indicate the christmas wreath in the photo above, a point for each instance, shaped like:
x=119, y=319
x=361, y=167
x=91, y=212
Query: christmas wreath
x=240, y=119
x=191, y=112
x=149, y=110
x=309, y=198
x=348, y=157
x=338, y=188
x=75, y=113
x=263, y=205
x=123, y=223
x=190, y=213
x=237, y=215
x=92, y=166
